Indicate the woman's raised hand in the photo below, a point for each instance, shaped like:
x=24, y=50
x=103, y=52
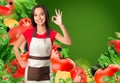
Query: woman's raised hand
x=57, y=19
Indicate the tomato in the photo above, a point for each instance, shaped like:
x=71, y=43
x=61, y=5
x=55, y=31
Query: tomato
x=26, y=22
x=14, y=33
x=79, y=75
x=59, y=63
x=108, y=71
x=10, y=4
x=62, y=64
x=116, y=44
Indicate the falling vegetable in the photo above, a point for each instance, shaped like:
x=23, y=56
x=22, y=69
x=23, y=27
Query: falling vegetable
x=15, y=68
x=62, y=76
x=11, y=23
x=59, y=63
x=15, y=32
x=8, y=9
x=79, y=75
x=116, y=45
x=108, y=71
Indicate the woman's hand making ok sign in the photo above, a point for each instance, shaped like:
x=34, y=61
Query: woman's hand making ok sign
x=58, y=18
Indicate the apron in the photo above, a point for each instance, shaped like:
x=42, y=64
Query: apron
x=39, y=69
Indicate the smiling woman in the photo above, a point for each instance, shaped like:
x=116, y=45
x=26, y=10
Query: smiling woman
x=40, y=39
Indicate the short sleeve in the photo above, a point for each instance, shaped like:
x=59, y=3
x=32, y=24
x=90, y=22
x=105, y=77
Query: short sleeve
x=52, y=35
x=28, y=33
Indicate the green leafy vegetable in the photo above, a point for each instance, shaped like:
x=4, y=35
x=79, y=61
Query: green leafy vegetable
x=23, y=8
x=109, y=57
x=3, y=2
x=65, y=52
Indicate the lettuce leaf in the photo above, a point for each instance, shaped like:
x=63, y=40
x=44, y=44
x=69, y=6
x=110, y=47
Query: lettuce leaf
x=23, y=8
x=109, y=57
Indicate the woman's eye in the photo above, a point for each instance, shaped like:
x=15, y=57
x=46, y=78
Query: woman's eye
x=35, y=15
x=42, y=14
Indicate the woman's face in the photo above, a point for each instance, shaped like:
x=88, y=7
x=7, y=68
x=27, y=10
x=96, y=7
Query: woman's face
x=39, y=16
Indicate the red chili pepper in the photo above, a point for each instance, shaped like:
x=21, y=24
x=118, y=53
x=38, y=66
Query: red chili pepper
x=116, y=44
x=15, y=68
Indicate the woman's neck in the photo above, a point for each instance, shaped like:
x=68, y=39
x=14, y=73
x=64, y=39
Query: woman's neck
x=41, y=29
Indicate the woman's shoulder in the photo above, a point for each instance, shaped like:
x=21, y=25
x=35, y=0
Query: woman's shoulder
x=28, y=31
x=53, y=33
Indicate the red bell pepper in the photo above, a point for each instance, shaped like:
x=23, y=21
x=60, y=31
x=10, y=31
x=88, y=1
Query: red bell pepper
x=7, y=10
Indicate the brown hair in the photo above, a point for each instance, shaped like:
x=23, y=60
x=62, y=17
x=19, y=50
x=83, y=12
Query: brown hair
x=46, y=16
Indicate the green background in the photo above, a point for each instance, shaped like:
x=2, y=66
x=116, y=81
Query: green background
x=89, y=23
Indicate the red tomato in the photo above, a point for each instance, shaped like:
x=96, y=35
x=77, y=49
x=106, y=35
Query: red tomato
x=109, y=71
x=116, y=44
x=26, y=22
x=10, y=4
x=62, y=64
x=79, y=75
x=59, y=63
x=15, y=33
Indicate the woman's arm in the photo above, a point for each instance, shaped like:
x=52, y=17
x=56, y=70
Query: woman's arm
x=16, y=46
x=65, y=39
